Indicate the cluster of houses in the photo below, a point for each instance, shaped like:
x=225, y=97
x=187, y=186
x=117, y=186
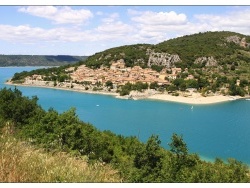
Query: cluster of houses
x=119, y=74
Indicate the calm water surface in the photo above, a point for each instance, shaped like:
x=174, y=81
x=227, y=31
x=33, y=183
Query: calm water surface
x=218, y=130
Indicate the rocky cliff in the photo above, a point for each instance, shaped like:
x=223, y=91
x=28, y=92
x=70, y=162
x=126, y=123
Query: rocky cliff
x=208, y=61
x=162, y=59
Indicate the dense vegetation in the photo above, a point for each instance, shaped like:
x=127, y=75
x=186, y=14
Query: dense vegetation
x=51, y=74
x=132, y=55
x=38, y=60
x=135, y=161
x=206, y=44
x=188, y=47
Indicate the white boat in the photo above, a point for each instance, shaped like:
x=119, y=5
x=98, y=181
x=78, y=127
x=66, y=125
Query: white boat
x=192, y=107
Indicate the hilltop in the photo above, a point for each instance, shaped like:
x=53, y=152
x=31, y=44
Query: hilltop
x=38, y=60
x=224, y=47
x=210, y=63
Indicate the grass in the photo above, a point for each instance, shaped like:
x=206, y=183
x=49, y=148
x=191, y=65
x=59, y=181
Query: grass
x=21, y=162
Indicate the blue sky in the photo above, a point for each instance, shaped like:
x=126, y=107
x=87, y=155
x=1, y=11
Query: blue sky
x=85, y=30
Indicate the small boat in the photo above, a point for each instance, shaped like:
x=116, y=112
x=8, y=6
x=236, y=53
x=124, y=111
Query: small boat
x=192, y=107
x=97, y=105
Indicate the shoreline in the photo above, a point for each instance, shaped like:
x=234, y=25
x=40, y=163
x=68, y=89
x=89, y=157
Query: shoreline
x=194, y=99
x=64, y=88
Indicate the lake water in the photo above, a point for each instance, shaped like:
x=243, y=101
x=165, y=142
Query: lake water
x=219, y=130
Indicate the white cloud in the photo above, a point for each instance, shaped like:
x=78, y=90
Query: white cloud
x=237, y=21
x=159, y=18
x=111, y=18
x=114, y=31
x=158, y=26
x=25, y=34
x=155, y=27
x=111, y=28
x=99, y=13
x=60, y=15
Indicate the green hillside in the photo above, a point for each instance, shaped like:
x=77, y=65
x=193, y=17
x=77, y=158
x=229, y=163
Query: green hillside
x=187, y=47
x=132, y=54
x=38, y=60
x=203, y=44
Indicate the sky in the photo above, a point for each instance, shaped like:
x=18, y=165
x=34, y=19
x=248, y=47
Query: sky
x=85, y=30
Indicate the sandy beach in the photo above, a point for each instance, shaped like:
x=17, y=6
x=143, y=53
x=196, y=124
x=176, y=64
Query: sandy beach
x=194, y=98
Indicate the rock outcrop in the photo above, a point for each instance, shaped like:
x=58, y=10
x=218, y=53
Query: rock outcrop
x=237, y=40
x=162, y=59
x=209, y=61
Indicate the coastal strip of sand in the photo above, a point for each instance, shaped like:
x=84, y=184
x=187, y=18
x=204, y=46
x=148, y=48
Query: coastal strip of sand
x=194, y=98
x=65, y=88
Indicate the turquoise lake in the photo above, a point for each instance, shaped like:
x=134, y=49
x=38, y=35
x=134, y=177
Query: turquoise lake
x=218, y=130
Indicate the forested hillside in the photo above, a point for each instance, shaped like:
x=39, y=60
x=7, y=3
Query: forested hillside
x=224, y=46
x=38, y=60
x=216, y=44
x=132, y=54
x=135, y=161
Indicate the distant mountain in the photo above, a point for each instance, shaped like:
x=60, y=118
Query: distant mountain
x=38, y=60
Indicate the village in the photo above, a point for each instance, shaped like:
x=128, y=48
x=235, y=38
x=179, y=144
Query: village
x=119, y=74
x=86, y=79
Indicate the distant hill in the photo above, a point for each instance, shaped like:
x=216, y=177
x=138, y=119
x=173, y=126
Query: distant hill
x=38, y=60
x=224, y=47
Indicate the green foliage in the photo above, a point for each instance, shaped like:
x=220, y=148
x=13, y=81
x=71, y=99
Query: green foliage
x=206, y=44
x=178, y=146
x=51, y=74
x=14, y=107
x=154, y=85
x=157, y=68
x=109, y=84
x=182, y=84
x=171, y=88
x=136, y=161
x=148, y=161
x=235, y=89
x=138, y=86
x=132, y=55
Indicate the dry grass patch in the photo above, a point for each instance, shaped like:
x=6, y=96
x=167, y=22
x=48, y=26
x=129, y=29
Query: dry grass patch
x=20, y=162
